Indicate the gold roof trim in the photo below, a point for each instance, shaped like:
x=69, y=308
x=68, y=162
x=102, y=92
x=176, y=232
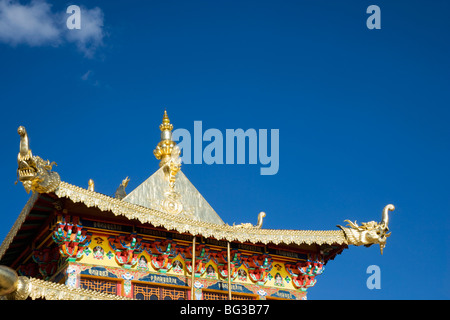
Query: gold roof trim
x=15, y=228
x=40, y=289
x=195, y=227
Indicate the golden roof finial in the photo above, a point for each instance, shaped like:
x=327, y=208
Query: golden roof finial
x=164, y=148
x=165, y=125
x=167, y=151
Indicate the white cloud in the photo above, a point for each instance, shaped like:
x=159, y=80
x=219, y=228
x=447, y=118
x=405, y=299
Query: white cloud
x=90, y=36
x=85, y=76
x=30, y=24
x=34, y=24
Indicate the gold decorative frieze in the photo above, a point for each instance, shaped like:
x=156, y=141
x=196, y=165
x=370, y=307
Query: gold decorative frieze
x=183, y=224
x=365, y=234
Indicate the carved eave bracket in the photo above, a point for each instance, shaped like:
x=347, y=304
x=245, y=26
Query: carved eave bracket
x=46, y=260
x=71, y=237
x=127, y=248
x=369, y=233
x=221, y=260
x=162, y=253
x=258, y=267
x=304, y=273
x=201, y=257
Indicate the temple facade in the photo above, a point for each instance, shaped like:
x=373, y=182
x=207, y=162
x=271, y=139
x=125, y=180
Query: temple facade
x=161, y=241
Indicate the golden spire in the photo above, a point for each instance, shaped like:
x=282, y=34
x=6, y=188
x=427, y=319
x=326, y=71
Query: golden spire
x=164, y=148
x=165, y=125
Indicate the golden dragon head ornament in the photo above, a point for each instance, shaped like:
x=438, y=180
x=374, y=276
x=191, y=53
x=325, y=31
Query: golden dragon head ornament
x=369, y=233
x=34, y=173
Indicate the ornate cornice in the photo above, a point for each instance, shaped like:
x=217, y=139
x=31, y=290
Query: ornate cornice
x=183, y=224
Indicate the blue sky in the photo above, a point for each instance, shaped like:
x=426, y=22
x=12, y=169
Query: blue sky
x=362, y=114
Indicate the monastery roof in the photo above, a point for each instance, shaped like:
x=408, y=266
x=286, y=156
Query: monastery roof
x=166, y=199
x=151, y=193
x=178, y=223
